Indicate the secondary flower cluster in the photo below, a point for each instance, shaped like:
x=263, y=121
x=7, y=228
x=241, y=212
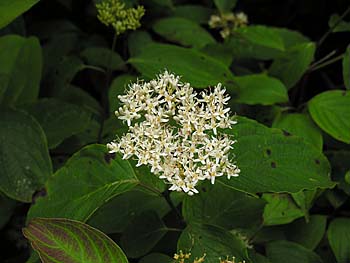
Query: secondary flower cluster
x=114, y=13
x=228, y=22
x=184, y=258
x=174, y=130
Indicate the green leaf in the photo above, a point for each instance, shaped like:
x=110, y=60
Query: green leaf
x=339, y=238
x=342, y=26
x=64, y=72
x=58, y=46
x=90, y=178
x=219, y=52
x=137, y=42
x=259, y=89
x=156, y=258
x=346, y=68
x=81, y=98
x=114, y=216
x=250, y=42
x=10, y=9
x=63, y=240
x=305, y=199
x=25, y=162
x=280, y=209
x=212, y=241
x=289, y=252
x=196, y=13
x=183, y=31
x=102, y=57
x=142, y=234
x=301, y=125
x=262, y=36
x=195, y=67
x=331, y=111
x=222, y=206
x=20, y=70
x=257, y=258
x=7, y=206
x=273, y=161
x=118, y=87
x=59, y=119
x=292, y=65
x=225, y=6
x=308, y=234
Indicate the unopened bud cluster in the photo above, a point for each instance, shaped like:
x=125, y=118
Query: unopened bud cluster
x=114, y=13
x=175, y=131
x=228, y=22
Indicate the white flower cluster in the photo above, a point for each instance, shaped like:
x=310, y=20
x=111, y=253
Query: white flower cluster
x=174, y=130
x=228, y=22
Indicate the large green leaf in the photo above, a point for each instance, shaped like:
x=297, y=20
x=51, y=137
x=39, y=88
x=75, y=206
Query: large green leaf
x=25, y=163
x=339, y=238
x=59, y=119
x=115, y=215
x=289, y=252
x=331, y=111
x=274, y=161
x=137, y=41
x=196, y=13
x=89, y=179
x=301, y=125
x=10, y=9
x=222, y=206
x=183, y=31
x=68, y=241
x=280, y=209
x=142, y=234
x=262, y=36
x=195, y=67
x=308, y=234
x=63, y=73
x=102, y=57
x=225, y=6
x=250, y=42
x=346, y=68
x=20, y=69
x=260, y=89
x=212, y=241
x=292, y=65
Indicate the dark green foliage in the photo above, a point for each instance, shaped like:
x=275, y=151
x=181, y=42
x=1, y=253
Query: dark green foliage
x=288, y=75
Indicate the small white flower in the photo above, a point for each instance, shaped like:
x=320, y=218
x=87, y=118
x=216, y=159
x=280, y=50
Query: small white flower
x=176, y=133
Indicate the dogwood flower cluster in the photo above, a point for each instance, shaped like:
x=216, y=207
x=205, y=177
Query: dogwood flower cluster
x=228, y=22
x=175, y=131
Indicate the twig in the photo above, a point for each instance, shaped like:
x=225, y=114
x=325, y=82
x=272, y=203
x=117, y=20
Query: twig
x=330, y=30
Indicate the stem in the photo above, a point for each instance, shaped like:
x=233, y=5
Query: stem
x=104, y=95
x=323, y=59
x=331, y=61
x=94, y=68
x=174, y=229
x=166, y=195
x=330, y=30
x=256, y=232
